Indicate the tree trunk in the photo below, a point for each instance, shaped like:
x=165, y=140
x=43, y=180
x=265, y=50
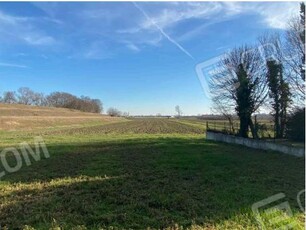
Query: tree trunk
x=244, y=126
x=277, y=123
x=253, y=129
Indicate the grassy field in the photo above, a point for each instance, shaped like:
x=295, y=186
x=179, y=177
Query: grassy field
x=142, y=174
x=23, y=117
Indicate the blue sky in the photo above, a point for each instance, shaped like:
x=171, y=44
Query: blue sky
x=138, y=57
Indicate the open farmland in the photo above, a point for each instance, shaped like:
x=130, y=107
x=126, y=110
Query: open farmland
x=22, y=117
x=149, y=115
x=141, y=174
x=139, y=126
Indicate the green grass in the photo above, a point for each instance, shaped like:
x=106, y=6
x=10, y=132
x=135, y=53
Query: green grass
x=143, y=174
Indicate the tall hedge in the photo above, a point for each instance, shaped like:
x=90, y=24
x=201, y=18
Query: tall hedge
x=296, y=125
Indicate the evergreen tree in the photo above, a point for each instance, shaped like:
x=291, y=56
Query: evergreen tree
x=280, y=95
x=245, y=102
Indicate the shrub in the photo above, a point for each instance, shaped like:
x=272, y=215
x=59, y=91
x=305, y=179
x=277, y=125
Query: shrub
x=261, y=129
x=296, y=125
x=113, y=112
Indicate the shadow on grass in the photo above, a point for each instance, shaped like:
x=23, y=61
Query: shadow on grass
x=139, y=183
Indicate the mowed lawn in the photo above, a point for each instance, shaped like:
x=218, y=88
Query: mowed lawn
x=144, y=174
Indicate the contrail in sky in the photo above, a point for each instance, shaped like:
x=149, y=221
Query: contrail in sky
x=163, y=32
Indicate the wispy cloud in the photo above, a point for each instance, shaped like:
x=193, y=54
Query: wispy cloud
x=277, y=15
x=115, y=26
x=174, y=14
x=23, y=29
x=5, y=64
x=132, y=47
x=272, y=15
x=96, y=50
x=37, y=39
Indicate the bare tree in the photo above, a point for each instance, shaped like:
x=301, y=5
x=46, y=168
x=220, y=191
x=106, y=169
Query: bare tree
x=125, y=114
x=25, y=96
x=113, y=112
x=56, y=99
x=178, y=111
x=272, y=47
x=67, y=100
x=9, y=97
x=279, y=94
x=295, y=53
x=239, y=85
x=278, y=74
x=38, y=99
x=97, y=105
x=226, y=111
x=62, y=100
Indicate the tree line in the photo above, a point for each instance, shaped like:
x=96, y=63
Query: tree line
x=26, y=96
x=270, y=75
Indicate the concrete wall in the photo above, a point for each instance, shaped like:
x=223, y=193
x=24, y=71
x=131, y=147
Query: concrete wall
x=256, y=144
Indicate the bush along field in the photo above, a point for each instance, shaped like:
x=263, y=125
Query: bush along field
x=145, y=174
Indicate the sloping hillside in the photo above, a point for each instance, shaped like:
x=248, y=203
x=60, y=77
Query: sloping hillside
x=24, y=117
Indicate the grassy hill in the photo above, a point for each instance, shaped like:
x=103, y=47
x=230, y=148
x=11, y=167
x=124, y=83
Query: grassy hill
x=24, y=117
